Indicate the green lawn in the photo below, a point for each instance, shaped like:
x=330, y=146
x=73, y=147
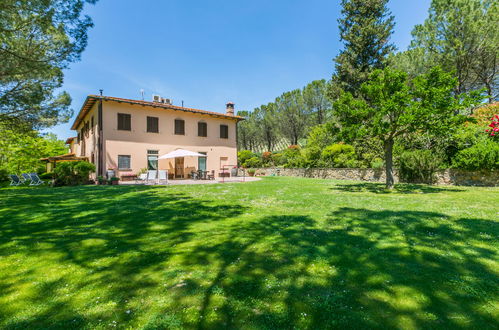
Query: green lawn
x=278, y=253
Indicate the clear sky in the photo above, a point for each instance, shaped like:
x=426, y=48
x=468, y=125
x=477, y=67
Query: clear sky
x=209, y=52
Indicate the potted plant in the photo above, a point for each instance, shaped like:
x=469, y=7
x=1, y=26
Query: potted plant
x=251, y=172
x=114, y=181
x=101, y=180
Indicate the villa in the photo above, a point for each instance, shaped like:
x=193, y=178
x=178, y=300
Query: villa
x=127, y=136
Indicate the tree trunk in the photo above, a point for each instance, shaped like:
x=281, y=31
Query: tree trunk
x=389, y=163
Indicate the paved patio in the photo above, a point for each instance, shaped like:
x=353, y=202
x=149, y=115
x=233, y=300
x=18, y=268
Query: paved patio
x=190, y=181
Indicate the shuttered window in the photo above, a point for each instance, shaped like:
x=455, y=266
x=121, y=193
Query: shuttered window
x=124, y=162
x=202, y=129
x=224, y=131
x=124, y=122
x=179, y=127
x=152, y=124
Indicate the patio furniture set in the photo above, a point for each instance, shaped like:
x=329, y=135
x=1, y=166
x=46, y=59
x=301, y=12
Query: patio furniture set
x=203, y=175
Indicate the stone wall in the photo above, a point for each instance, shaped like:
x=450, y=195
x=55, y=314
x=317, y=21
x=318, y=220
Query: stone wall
x=444, y=177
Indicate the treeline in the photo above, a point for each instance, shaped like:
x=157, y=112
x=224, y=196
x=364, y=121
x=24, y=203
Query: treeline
x=285, y=121
x=408, y=108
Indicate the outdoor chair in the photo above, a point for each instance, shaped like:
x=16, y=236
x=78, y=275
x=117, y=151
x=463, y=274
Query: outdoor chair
x=152, y=176
x=14, y=180
x=163, y=176
x=35, y=180
x=141, y=178
x=194, y=175
x=25, y=177
x=212, y=175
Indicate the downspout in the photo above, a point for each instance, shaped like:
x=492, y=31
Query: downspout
x=100, y=158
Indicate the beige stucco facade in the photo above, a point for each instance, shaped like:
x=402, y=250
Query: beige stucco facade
x=138, y=143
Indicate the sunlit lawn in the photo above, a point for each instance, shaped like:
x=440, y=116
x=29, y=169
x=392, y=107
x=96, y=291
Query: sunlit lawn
x=278, y=253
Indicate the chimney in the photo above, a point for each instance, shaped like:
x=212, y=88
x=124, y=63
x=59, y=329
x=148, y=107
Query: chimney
x=230, y=109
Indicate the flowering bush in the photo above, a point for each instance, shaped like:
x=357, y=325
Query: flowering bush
x=494, y=127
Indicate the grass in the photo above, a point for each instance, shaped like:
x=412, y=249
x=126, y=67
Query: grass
x=278, y=253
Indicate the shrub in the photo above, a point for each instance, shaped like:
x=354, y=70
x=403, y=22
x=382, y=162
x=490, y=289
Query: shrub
x=72, y=173
x=243, y=156
x=252, y=162
x=4, y=175
x=293, y=157
x=377, y=163
x=266, y=158
x=419, y=166
x=46, y=176
x=278, y=159
x=339, y=155
x=481, y=156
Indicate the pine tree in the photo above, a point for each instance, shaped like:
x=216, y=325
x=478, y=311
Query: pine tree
x=365, y=29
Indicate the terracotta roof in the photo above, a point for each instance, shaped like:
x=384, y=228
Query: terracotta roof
x=70, y=156
x=91, y=99
x=69, y=140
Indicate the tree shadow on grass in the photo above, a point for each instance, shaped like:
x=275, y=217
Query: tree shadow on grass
x=365, y=269
x=116, y=236
x=402, y=188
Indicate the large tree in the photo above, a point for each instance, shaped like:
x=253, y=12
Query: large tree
x=293, y=115
x=314, y=96
x=365, y=29
x=462, y=36
x=390, y=106
x=266, y=120
x=38, y=40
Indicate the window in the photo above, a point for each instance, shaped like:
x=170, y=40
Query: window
x=124, y=122
x=152, y=124
x=152, y=159
x=124, y=162
x=179, y=127
x=202, y=129
x=224, y=131
x=92, y=125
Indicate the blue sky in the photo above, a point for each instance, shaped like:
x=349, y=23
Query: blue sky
x=209, y=52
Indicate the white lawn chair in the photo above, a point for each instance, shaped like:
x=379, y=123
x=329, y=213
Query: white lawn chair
x=141, y=178
x=15, y=180
x=152, y=176
x=163, y=176
x=35, y=180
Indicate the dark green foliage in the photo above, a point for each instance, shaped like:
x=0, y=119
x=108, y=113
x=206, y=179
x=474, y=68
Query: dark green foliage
x=481, y=156
x=38, y=40
x=72, y=173
x=365, y=29
x=419, y=166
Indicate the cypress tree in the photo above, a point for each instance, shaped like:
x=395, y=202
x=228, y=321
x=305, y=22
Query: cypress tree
x=365, y=29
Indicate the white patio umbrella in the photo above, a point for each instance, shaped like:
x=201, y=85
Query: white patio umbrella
x=181, y=153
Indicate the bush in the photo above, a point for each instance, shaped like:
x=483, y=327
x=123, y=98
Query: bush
x=278, y=159
x=293, y=157
x=339, y=155
x=47, y=176
x=243, y=156
x=481, y=156
x=4, y=175
x=266, y=158
x=377, y=163
x=72, y=173
x=252, y=162
x=419, y=166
